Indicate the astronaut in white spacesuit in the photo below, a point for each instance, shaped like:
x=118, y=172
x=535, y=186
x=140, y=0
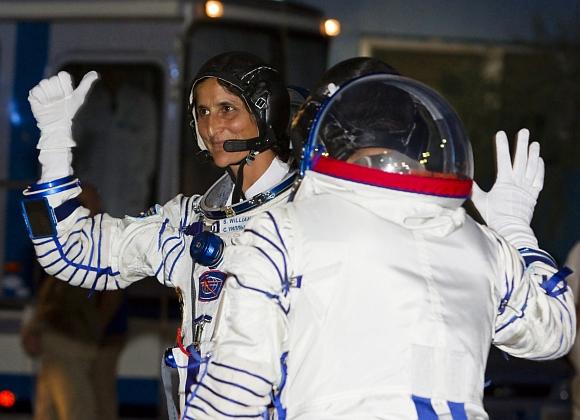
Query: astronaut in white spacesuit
x=240, y=112
x=372, y=295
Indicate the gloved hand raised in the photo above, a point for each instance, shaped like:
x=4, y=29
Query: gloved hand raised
x=54, y=103
x=509, y=206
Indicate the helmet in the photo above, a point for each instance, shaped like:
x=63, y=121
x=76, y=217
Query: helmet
x=388, y=131
x=334, y=77
x=263, y=91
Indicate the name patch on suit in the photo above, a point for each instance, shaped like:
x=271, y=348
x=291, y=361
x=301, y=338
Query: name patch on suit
x=210, y=285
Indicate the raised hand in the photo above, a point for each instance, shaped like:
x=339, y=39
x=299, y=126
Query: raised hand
x=54, y=103
x=513, y=196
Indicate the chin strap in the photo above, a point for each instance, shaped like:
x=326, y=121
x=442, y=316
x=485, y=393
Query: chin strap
x=238, y=178
x=255, y=146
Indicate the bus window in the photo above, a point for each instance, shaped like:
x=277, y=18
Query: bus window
x=117, y=133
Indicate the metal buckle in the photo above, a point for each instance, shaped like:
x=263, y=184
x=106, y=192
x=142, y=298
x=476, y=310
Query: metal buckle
x=260, y=103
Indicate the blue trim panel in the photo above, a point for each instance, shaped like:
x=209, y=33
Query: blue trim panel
x=424, y=408
x=457, y=410
x=30, y=59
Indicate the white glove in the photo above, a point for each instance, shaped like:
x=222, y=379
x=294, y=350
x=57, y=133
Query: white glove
x=54, y=103
x=508, y=207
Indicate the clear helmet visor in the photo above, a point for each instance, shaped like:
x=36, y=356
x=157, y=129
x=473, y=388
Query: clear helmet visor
x=389, y=123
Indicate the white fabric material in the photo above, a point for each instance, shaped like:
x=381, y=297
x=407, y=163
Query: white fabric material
x=106, y=253
x=509, y=206
x=276, y=172
x=376, y=296
x=54, y=103
x=55, y=164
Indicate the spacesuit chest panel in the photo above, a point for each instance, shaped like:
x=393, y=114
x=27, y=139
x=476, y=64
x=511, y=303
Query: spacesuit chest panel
x=227, y=222
x=208, y=282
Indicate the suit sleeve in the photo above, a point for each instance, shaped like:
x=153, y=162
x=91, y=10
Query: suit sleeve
x=105, y=253
x=535, y=307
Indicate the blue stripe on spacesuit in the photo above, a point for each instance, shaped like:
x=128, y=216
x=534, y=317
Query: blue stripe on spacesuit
x=193, y=393
x=259, y=235
x=186, y=218
x=44, y=267
x=537, y=251
x=223, y=397
x=559, y=277
x=268, y=294
x=457, y=410
x=166, y=241
x=516, y=317
x=530, y=259
x=243, y=371
x=235, y=385
x=163, y=226
x=265, y=254
x=90, y=254
x=66, y=254
x=194, y=396
x=205, y=317
x=283, y=279
x=531, y=255
x=424, y=408
x=277, y=397
x=50, y=252
x=174, y=263
x=76, y=269
x=197, y=407
x=43, y=242
x=71, y=263
x=164, y=260
x=223, y=413
x=277, y=230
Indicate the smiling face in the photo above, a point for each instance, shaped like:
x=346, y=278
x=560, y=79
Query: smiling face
x=222, y=115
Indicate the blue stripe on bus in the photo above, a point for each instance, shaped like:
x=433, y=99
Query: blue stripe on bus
x=30, y=59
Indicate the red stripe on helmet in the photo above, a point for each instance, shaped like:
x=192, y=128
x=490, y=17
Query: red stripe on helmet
x=431, y=185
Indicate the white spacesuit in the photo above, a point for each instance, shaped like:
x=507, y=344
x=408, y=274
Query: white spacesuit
x=373, y=295
x=180, y=243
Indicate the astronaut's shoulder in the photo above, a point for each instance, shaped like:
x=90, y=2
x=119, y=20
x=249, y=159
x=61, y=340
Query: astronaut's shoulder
x=173, y=209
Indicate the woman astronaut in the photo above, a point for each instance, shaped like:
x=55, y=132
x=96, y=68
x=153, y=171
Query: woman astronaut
x=240, y=111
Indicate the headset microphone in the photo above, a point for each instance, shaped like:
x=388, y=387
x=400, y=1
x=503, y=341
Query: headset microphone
x=242, y=145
